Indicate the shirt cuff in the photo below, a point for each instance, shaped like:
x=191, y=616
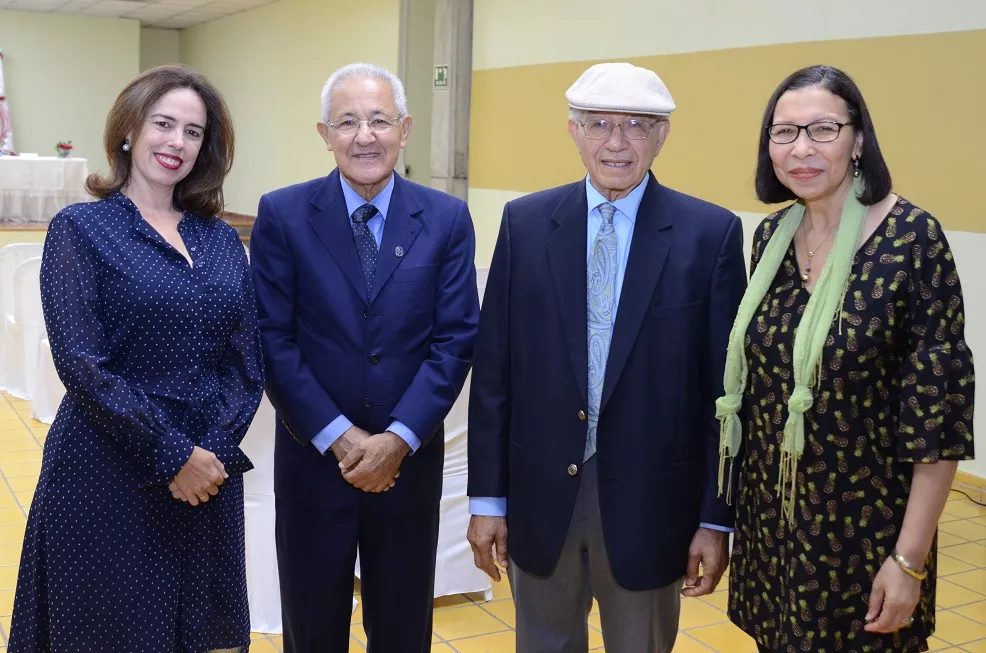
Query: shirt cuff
x=488, y=506
x=328, y=436
x=724, y=529
x=401, y=430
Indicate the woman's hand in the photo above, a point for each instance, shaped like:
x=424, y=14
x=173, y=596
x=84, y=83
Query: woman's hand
x=199, y=478
x=893, y=598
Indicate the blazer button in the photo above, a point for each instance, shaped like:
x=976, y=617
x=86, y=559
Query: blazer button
x=582, y=416
x=366, y=403
x=374, y=358
x=573, y=470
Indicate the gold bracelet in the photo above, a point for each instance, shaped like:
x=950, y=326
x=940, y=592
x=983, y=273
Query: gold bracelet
x=908, y=567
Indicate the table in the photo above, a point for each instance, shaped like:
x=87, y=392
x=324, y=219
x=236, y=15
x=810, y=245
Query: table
x=34, y=189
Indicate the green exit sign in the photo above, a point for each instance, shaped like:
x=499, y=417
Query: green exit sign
x=441, y=78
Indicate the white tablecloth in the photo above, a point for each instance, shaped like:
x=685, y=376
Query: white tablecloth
x=35, y=189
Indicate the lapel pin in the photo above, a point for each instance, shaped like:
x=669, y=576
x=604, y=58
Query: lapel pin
x=399, y=251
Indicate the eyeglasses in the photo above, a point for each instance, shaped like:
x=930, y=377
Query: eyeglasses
x=378, y=125
x=823, y=131
x=633, y=129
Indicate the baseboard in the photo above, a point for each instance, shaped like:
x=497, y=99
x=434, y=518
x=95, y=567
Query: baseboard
x=974, y=486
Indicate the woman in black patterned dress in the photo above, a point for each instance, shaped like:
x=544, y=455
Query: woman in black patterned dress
x=849, y=566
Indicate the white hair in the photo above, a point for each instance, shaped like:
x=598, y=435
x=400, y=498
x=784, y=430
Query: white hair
x=578, y=115
x=365, y=70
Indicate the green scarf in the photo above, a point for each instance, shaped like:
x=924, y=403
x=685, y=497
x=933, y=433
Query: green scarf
x=826, y=299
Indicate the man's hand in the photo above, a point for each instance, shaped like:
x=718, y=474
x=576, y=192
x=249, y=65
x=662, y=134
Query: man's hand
x=347, y=442
x=484, y=533
x=711, y=548
x=375, y=462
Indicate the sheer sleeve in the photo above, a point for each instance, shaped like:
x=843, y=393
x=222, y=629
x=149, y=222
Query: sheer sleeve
x=241, y=382
x=77, y=333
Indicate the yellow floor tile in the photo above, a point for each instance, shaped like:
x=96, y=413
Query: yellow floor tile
x=357, y=614
x=966, y=529
x=5, y=624
x=441, y=648
x=17, y=435
x=973, y=553
x=973, y=580
x=11, y=423
x=24, y=498
x=718, y=599
x=29, y=456
x=8, y=447
x=357, y=632
x=7, y=500
x=12, y=534
x=453, y=601
x=6, y=602
x=13, y=470
x=974, y=647
x=685, y=644
x=946, y=540
x=949, y=595
x=8, y=577
x=355, y=646
x=695, y=614
x=502, y=610
x=11, y=516
x=456, y=623
x=964, y=508
x=595, y=639
x=22, y=483
x=262, y=646
x=501, y=590
x=498, y=643
x=956, y=629
x=947, y=565
x=724, y=637
x=278, y=640
x=10, y=554
x=435, y=639
x=974, y=611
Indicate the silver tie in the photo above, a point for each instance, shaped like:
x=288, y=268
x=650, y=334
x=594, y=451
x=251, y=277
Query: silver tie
x=601, y=298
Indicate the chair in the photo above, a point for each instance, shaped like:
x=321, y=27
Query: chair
x=48, y=389
x=23, y=331
x=10, y=257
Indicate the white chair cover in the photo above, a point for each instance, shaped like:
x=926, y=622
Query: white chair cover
x=48, y=388
x=23, y=331
x=10, y=257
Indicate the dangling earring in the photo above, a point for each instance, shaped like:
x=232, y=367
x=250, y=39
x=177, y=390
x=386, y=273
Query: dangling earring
x=855, y=166
x=126, y=146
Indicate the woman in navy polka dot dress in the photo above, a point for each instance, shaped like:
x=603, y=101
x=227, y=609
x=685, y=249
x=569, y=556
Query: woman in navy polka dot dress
x=135, y=537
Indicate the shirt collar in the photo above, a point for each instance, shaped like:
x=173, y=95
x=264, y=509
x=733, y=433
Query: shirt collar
x=628, y=205
x=381, y=200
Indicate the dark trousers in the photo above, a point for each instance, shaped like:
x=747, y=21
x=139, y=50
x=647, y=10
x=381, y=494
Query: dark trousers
x=316, y=557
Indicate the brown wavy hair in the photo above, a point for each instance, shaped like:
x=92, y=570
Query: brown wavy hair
x=201, y=192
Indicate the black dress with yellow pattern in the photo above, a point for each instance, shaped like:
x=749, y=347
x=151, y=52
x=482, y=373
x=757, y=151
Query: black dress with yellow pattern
x=896, y=389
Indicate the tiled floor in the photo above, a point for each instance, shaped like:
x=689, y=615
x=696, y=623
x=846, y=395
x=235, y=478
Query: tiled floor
x=468, y=625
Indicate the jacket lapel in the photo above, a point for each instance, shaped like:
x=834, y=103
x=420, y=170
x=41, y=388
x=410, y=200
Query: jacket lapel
x=648, y=253
x=567, y=258
x=331, y=224
x=399, y=231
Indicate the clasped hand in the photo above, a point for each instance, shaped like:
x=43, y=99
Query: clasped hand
x=370, y=462
x=199, y=478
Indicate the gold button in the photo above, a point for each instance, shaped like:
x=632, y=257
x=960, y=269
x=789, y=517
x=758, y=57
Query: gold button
x=573, y=470
x=582, y=416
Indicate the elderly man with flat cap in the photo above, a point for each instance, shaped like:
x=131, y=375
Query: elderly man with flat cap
x=593, y=444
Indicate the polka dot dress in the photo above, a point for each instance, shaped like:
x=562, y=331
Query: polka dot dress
x=156, y=356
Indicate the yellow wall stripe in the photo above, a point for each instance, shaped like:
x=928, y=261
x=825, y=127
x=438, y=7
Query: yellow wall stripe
x=926, y=93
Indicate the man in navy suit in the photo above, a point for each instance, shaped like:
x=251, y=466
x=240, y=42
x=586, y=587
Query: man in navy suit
x=600, y=355
x=368, y=305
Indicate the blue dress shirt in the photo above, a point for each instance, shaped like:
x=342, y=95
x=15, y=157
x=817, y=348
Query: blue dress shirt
x=327, y=436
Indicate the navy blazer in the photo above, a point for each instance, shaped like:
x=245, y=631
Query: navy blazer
x=658, y=440
x=402, y=354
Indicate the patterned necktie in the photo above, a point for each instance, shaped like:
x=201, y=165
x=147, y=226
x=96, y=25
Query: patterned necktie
x=601, y=298
x=366, y=244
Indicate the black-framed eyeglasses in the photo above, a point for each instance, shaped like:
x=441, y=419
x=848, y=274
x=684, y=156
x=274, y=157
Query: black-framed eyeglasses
x=633, y=129
x=378, y=125
x=821, y=131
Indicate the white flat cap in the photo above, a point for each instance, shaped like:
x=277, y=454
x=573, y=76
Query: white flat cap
x=620, y=88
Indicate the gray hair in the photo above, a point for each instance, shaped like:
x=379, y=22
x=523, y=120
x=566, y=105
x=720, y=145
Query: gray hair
x=578, y=115
x=365, y=70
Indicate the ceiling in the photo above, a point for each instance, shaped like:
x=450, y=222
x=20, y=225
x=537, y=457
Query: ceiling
x=173, y=14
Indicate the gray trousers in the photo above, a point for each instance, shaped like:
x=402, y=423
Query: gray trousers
x=553, y=612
